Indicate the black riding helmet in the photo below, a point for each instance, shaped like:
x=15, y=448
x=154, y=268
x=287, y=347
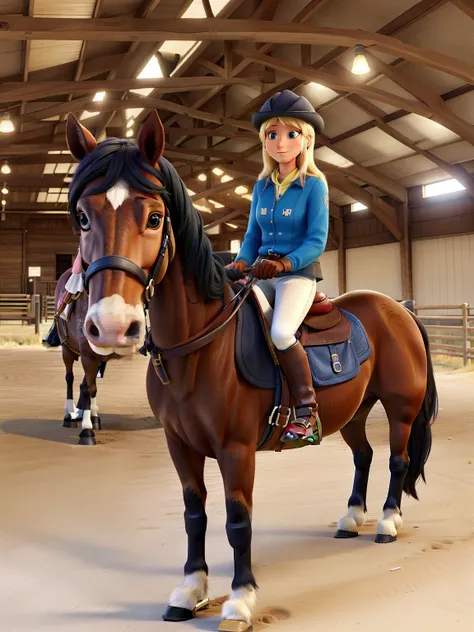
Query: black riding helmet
x=288, y=104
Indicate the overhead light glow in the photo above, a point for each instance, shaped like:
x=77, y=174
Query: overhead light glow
x=202, y=177
x=5, y=168
x=241, y=190
x=217, y=171
x=5, y=190
x=6, y=124
x=99, y=96
x=360, y=65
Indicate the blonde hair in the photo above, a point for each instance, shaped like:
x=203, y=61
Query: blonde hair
x=305, y=161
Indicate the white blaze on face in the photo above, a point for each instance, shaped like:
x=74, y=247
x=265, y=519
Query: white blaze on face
x=112, y=316
x=118, y=194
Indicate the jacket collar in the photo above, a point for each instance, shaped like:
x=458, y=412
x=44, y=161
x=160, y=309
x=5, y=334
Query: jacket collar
x=297, y=182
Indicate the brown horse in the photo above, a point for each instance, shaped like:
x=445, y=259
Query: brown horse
x=74, y=345
x=139, y=230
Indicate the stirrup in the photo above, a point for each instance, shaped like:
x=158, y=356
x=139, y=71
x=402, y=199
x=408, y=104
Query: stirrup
x=301, y=431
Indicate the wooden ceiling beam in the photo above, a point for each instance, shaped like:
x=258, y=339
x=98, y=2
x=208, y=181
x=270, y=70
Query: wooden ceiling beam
x=19, y=28
x=408, y=17
x=383, y=211
x=307, y=73
x=169, y=106
x=221, y=220
x=466, y=6
x=416, y=12
x=368, y=175
x=36, y=206
x=221, y=188
x=139, y=54
x=30, y=91
x=441, y=113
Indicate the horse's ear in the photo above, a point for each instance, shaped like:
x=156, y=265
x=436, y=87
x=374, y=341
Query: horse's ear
x=79, y=140
x=151, y=139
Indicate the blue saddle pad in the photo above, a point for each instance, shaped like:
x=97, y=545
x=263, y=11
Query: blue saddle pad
x=255, y=363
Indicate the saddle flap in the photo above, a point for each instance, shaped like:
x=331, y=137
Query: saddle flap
x=334, y=334
x=323, y=321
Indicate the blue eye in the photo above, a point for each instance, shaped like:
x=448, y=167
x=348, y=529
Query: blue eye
x=272, y=135
x=293, y=134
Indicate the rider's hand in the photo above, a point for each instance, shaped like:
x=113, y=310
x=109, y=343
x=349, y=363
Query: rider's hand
x=237, y=265
x=236, y=270
x=267, y=269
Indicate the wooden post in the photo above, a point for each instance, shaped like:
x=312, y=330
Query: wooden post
x=341, y=255
x=465, y=325
x=406, y=254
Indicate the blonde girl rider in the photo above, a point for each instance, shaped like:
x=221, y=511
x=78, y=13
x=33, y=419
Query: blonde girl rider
x=286, y=234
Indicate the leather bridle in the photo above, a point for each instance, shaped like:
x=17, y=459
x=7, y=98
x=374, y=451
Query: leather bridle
x=116, y=262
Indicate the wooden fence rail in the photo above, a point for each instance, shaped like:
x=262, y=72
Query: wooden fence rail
x=450, y=334
x=21, y=307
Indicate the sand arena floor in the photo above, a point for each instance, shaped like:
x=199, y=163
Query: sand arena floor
x=93, y=538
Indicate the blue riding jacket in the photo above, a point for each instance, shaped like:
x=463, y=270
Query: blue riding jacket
x=294, y=226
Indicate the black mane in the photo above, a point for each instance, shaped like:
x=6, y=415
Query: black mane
x=116, y=159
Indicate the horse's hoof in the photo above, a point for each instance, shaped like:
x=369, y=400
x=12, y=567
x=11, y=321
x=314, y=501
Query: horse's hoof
x=87, y=437
x=96, y=422
x=69, y=422
x=230, y=625
x=344, y=535
x=175, y=614
x=382, y=538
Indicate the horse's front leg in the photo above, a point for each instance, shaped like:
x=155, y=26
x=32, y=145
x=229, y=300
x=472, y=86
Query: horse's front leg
x=237, y=464
x=90, y=364
x=192, y=594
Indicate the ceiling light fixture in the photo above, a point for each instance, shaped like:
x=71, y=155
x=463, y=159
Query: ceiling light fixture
x=4, y=202
x=6, y=124
x=202, y=177
x=360, y=65
x=5, y=190
x=129, y=133
x=5, y=169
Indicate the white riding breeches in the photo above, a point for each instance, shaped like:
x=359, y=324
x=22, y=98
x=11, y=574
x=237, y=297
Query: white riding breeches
x=291, y=297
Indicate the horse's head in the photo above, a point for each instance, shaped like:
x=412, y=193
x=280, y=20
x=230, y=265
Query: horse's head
x=116, y=200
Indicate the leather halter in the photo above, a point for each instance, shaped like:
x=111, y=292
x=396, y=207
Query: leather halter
x=116, y=262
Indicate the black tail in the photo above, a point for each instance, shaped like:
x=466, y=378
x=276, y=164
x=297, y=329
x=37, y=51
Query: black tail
x=419, y=444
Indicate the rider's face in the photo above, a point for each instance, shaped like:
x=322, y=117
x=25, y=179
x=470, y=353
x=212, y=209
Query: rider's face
x=283, y=142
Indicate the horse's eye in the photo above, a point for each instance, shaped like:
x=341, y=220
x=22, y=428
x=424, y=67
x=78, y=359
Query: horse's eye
x=84, y=221
x=154, y=221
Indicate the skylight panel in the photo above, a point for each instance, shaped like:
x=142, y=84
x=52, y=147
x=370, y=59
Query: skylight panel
x=358, y=206
x=440, y=188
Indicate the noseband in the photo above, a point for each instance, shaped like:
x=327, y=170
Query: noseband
x=116, y=262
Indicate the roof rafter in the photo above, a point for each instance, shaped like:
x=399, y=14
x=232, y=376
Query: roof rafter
x=307, y=73
x=214, y=29
x=441, y=113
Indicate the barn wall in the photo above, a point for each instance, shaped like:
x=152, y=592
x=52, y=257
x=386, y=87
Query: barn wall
x=451, y=214
x=375, y=268
x=330, y=284
x=33, y=241
x=443, y=270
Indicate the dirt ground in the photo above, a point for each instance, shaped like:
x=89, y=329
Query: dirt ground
x=93, y=539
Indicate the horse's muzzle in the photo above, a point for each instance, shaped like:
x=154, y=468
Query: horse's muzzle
x=113, y=326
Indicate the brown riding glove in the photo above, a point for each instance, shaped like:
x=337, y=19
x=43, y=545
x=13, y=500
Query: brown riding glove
x=267, y=269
